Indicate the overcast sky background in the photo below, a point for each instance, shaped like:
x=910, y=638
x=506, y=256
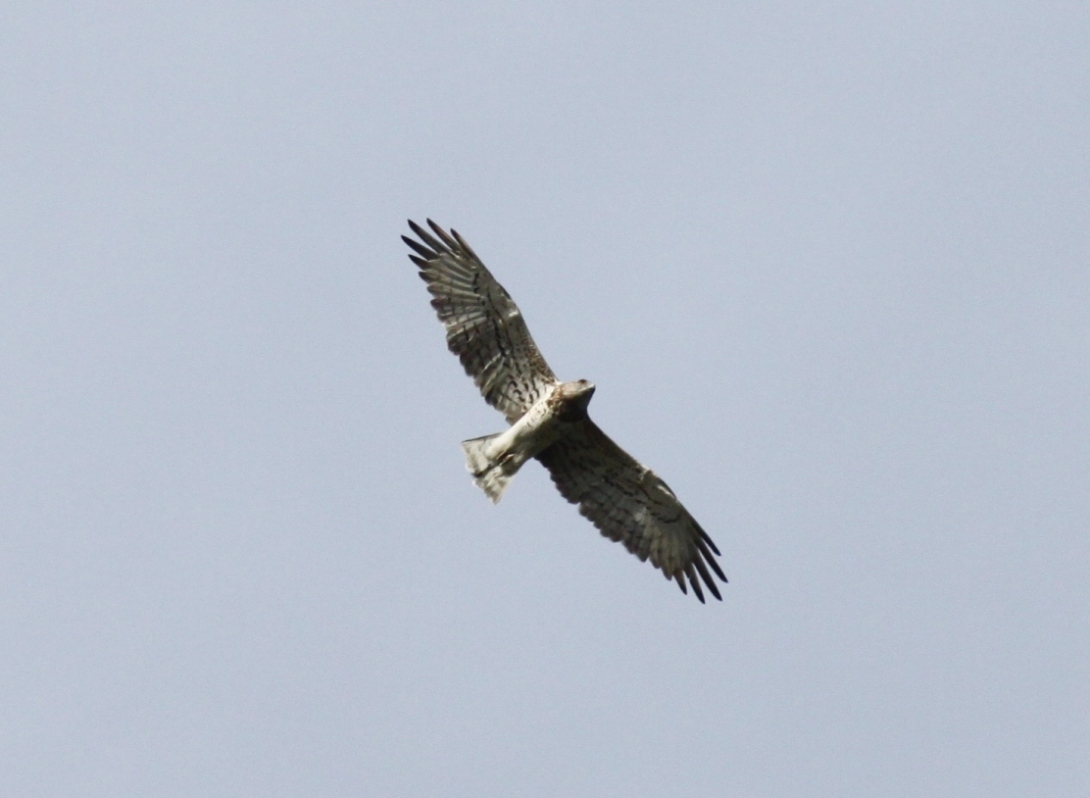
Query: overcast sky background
x=828, y=264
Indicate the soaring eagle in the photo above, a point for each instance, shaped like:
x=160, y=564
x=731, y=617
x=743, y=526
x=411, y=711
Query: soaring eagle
x=627, y=501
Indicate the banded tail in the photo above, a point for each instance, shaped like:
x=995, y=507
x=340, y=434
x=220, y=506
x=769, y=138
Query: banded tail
x=490, y=473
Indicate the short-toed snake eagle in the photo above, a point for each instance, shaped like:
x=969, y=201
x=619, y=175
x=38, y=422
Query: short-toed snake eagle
x=627, y=501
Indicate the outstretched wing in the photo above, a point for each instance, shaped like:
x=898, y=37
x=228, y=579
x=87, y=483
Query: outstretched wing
x=629, y=503
x=484, y=326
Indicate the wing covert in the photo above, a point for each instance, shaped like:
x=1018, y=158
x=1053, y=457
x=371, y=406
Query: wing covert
x=485, y=328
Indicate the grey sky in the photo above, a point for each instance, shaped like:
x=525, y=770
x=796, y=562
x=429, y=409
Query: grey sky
x=828, y=264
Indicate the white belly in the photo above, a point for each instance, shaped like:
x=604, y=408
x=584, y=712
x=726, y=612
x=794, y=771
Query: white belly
x=536, y=430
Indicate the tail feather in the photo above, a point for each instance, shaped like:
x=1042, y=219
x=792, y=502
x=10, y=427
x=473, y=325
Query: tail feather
x=489, y=473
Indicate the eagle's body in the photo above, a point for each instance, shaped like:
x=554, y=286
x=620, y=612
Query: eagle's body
x=627, y=501
x=494, y=459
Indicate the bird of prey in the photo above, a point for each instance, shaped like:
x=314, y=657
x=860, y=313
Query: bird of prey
x=627, y=501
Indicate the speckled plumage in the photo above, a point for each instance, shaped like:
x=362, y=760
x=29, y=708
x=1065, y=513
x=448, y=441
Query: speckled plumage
x=625, y=500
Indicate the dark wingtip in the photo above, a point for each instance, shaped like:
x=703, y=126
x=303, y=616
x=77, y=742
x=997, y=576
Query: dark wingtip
x=677, y=577
x=443, y=234
x=714, y=590
x=419, y=248
x=438, y=245
x=703, y=571
x=710, y=560
x=466, y=248
x=694, y=582
x=699, y=594
x=705, y=537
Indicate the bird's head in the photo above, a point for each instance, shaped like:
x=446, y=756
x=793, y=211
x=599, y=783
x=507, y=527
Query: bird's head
x=583, y=387
x=574, y=397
